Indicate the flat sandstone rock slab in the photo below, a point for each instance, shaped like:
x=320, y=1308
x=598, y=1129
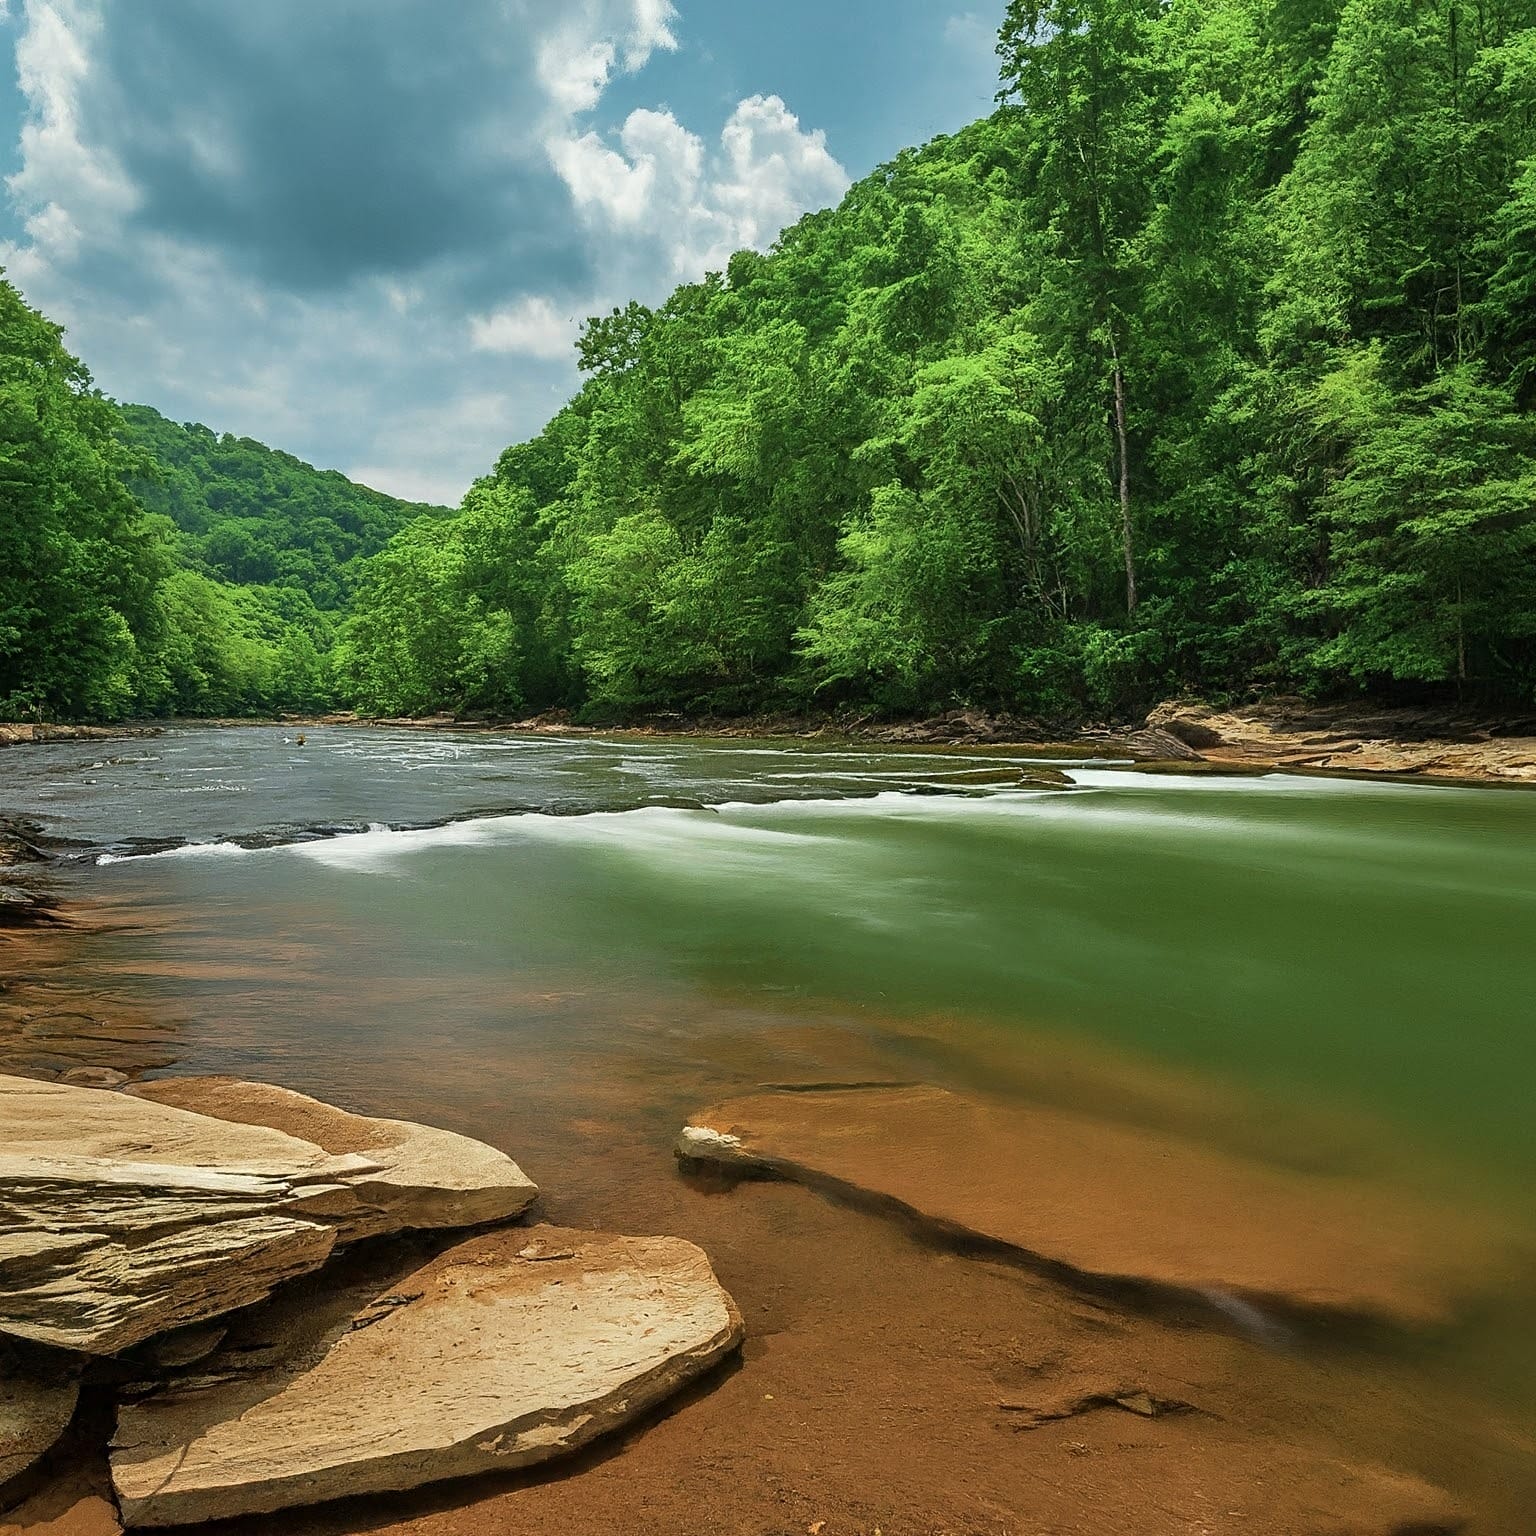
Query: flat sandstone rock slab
x=423, y=1178
x=122, y=1218
x=1114, y=1203
x=507, y=1350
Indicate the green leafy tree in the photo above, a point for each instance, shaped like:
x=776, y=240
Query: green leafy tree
x=79, y=561
x=1205, y=363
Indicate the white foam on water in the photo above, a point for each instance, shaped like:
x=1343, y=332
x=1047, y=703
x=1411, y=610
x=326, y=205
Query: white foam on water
x=1251, y=783
x=790, y=839
x=662, y=832
x=185, y=851
x=381, y=847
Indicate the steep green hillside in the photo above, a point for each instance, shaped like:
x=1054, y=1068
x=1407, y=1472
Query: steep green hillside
x=255, y=516
x=147, y=568
x=1207, y=363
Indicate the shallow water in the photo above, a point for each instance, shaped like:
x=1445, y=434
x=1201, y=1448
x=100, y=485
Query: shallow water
x=597, y=934
x=1366, y=946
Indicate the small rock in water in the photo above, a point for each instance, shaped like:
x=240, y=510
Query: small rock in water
x=1084, y=1400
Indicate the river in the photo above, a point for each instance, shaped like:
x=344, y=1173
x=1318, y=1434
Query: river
x=564, y=944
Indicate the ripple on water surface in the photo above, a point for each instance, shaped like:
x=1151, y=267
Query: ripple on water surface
x=1329, y=973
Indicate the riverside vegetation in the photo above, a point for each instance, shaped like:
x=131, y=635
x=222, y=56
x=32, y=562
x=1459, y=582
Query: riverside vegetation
x=1207, y=362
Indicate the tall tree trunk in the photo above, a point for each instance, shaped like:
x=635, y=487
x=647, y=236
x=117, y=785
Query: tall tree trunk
x=1125, y=480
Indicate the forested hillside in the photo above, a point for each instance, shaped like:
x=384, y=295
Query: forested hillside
x=254, y=516
x=1207, y=363
x=148, y=568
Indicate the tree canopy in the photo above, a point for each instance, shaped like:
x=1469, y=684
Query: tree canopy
x=1206, y=363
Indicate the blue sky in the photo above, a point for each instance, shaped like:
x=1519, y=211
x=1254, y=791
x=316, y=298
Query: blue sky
x=365, y=230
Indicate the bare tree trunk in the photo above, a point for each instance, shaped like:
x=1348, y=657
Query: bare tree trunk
x=1125, y=481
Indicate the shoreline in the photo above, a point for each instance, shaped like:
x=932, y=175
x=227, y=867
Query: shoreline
x=1437, y=744
x=1290, y=735
x=15, y=733
x=870, y=1333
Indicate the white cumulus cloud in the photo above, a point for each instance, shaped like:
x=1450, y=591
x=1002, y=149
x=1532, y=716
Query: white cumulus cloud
x=577, y=60
x=532, y=327
x=651, y=30
x=684, y=208
x=68, y=188
x=774, y=170
x=390, y=280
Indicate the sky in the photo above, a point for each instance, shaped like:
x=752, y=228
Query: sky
x=366, y=231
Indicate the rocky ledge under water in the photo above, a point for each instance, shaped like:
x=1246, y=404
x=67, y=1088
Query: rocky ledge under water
x=1117, y=1207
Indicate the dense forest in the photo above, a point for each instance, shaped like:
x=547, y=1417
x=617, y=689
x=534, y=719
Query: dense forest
x=1206, y=364
x=250, y=515
x=150, y=568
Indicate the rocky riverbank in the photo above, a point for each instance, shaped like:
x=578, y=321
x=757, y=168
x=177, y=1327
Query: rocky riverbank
x=1096, y=1320
x=1338, y=738
x=1290, y=733
x=960, y=1313
x=143, y=1238
x=17, y=734
x=1296, y=734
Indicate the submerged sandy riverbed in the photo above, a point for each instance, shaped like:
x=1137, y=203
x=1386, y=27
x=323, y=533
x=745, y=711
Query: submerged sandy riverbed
x=881, y=1379
x=480, y=980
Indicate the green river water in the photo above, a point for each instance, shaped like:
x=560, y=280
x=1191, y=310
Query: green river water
x=1330, y=973
x=1370, y=947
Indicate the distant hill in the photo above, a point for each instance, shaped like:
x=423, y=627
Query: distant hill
x=255, y=516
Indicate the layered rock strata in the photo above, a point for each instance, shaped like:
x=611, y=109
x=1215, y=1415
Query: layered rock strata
x=122, y=1218
x=508, y=1350
x=421, y=1178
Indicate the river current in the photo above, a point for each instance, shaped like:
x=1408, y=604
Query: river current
x=1369, y=946
x=536, y=937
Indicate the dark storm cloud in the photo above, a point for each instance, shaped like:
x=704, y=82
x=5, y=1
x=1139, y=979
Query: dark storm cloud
x=316, y=143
